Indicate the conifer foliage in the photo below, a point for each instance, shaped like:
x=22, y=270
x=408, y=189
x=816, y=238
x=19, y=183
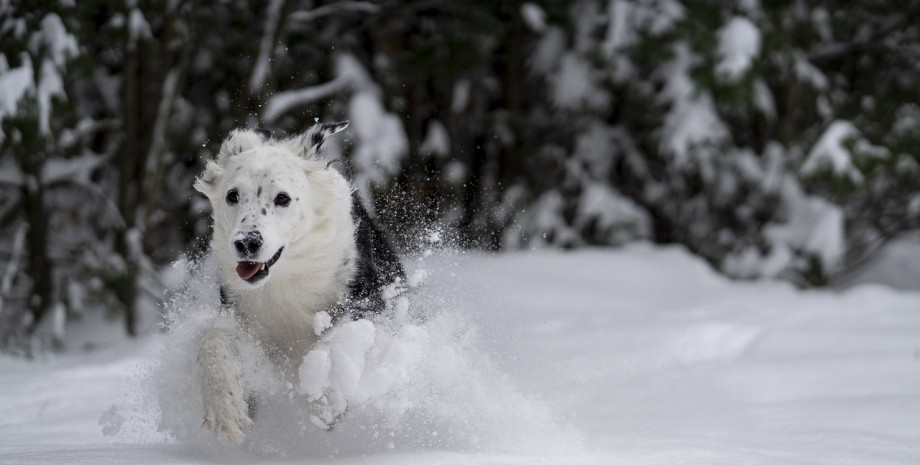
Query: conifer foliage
x=774, y=139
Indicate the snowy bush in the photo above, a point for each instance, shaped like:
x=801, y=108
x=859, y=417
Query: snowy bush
x=771, y=139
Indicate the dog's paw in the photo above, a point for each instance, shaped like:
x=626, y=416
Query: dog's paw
x=227, y=418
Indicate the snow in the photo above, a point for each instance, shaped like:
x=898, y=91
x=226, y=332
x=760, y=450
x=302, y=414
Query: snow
x=831, y=152
x=303, y=17
x=809, y=73
x=321, y=322
x=548, y=52
x=810, y=225
x=574, y=87
x=692, y=121
x=763, y=99
x=896, y=266
x=382, y=140
x=618, y=33
x=619, y=217
x=460, y=97
x=14, y=85
x=639, y=355
x=455, y=172
x=12, y=266
x=51, y=85
x=138, y=28
x=546, y=214
x=739, y=45
x=594, y=147
x=534, y=16
x=437, y=141
x=628, y=20
x=17, y=83
x=60, y=45
x=348, y=73
x=266, y=46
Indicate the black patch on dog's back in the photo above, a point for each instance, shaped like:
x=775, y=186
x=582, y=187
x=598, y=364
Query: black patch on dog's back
x=265, y=133
x=377, y=264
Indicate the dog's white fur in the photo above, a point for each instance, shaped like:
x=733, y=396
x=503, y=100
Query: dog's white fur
x=316, y=231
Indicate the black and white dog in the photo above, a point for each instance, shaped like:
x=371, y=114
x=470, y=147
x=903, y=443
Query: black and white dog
x=292, y=239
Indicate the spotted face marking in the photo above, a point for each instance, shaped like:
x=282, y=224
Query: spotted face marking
x=265, y=213
x=267, y=220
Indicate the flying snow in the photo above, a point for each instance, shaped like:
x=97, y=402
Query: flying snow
x=414, y=378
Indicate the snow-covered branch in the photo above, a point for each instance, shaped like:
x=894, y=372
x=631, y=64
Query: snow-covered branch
x=158, y=139
x=349, y=75
x=77, y=172
x=283, y=102
x=76, y=169
x=299, y=18
x=86, y=127
x=6, y=285
x=266, y=47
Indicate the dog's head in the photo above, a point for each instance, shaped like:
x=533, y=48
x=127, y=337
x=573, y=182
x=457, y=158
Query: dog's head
x=267, y=196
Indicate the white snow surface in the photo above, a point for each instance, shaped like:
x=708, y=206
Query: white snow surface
x=639, y=355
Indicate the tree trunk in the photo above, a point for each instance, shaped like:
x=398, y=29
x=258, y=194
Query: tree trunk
x=40, y=267
x=126, y=284
x=31, y=154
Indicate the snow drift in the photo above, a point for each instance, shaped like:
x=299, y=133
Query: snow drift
x=646, y=352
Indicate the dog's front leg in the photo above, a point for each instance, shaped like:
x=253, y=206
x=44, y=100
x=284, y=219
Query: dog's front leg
x=222, y=396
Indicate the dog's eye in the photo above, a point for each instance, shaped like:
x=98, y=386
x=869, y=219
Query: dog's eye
x=233, y=196
x=282, y=200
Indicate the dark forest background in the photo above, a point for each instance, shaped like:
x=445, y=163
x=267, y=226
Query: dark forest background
x=772, y=139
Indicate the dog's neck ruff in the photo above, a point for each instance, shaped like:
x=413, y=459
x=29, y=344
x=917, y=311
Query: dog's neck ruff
x=280, y=312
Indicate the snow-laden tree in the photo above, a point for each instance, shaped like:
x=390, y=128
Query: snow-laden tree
x=44, y=175
x=772, y=139
x=753, y=134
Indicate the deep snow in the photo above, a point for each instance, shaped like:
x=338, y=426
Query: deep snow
x=641, y=355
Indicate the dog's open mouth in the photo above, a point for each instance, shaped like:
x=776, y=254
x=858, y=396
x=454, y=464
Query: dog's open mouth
x=253, y=272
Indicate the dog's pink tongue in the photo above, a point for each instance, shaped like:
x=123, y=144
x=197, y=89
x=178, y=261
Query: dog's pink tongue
x=247, y=269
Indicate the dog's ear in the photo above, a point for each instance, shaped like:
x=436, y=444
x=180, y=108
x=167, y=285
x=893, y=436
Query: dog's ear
x=207, y=182
x=310, y=144
x=239, y=141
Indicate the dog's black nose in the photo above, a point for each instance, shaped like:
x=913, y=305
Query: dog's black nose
x=249, y=244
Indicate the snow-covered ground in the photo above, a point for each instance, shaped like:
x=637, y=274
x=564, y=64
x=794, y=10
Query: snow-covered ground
x=640, y=355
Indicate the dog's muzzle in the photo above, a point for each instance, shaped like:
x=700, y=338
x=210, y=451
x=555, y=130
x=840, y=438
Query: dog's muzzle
x=253, y=272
